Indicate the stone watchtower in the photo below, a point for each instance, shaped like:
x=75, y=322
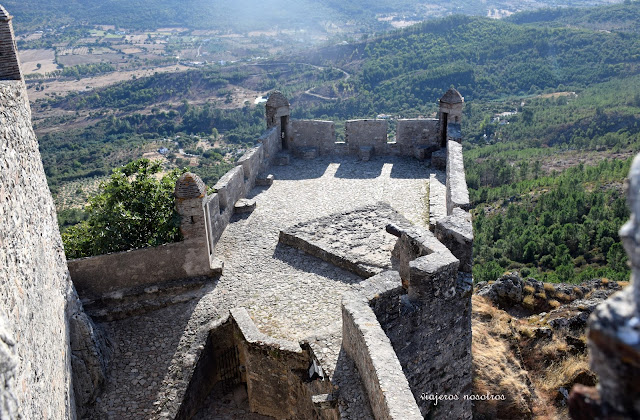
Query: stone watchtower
x=9, y=63
x=450, y=115
x=278, y=111
x=190, y=192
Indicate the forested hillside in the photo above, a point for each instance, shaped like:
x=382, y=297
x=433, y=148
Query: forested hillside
x=404, y=72
x=552, y=117
x=617, y=17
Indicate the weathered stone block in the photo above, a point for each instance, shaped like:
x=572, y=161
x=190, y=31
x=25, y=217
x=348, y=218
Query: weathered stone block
x=366, y=133
x=264, y=180
x=245, y=205
x=456, y=233
x=365, y=153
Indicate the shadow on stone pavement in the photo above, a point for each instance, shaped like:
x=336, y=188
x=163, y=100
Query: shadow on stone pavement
x=307, y=263
x=144, y=348
x=356, y=169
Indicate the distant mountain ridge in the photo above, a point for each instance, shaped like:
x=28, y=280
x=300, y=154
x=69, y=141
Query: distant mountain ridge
x=618, y=17
x=248, y=15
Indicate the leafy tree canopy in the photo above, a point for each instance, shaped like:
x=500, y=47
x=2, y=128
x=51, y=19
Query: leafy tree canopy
x=134, y=209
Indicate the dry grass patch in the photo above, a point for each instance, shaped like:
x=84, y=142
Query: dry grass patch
x=496, y=367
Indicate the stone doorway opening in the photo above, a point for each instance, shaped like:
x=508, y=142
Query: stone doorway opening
x=284, y=122
x=443, y=129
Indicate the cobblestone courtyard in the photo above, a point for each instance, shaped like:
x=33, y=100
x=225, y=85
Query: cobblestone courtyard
x=288, y=293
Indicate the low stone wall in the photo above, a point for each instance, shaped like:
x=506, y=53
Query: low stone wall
x=434, y=351
x=456, y=233
x=366, y=133
x=417, y=137
x=272, y=145
x=380, y=371
x=230, y=188
x=457, y=191
x=274, y=370
x=414, y=137
x=97, y=276
x=251, y=163
x=312, y=133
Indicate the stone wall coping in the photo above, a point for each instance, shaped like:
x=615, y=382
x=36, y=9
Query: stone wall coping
x=387, y=387
x=458, y=224
x=253, y=336
x=457, y=191
x=433, y=263
x=226, y=178
x=381, y=284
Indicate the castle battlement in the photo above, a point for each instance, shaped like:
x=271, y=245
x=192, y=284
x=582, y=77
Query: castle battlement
x=301, y=278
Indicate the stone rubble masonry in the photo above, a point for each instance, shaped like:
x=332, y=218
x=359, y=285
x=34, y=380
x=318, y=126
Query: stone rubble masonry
x=274, y=370
x=366, y=343
x=372, y=133
x=45, y=330
x=91, y=352
x=457, y=191
x=313, y=133
x=413, y=134
x=8, y=366
x=430, y=326
x=33, y=274
x=456, y=233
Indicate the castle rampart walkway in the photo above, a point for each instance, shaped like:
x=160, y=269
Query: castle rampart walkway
x=288, y=293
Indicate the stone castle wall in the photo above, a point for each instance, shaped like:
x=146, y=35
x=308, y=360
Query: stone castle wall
x=414, y=137
x=52, y=357
x=34, y=285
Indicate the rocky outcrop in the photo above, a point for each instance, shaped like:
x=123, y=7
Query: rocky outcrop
x=532, y=343
x=90, y=353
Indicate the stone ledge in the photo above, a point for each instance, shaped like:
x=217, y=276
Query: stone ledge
x=367, y=344
x=456, y=233
x=457, y=191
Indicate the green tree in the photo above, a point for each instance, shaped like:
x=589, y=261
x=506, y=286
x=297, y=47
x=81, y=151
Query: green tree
x=134, y=209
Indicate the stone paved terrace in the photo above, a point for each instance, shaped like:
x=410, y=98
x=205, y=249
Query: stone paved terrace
x=288, y=294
